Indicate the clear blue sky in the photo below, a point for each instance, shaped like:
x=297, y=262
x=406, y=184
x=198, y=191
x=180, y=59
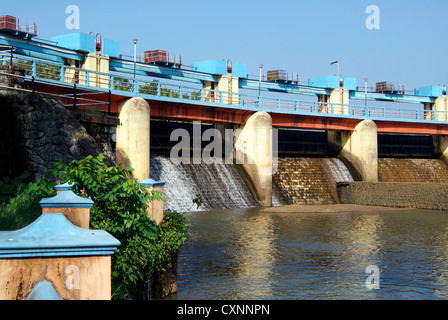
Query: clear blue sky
x=297, y=36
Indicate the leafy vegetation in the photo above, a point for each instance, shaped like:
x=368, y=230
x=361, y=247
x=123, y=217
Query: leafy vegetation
x=120, y=209
x=120, y=205
x=19, y=200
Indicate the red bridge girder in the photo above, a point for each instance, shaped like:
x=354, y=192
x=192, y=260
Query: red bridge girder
x=191, y=112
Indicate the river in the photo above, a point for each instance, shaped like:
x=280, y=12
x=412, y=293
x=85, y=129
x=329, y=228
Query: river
x=253, y=254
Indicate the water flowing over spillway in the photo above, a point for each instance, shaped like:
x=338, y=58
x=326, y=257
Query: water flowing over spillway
x=412, y=170
x=218, y=186
x=308, y=180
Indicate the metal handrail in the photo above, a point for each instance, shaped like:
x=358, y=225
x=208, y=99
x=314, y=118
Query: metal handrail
x=163, y=90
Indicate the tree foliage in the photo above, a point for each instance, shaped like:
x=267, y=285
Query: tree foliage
x=19, y=200
x=120, y=205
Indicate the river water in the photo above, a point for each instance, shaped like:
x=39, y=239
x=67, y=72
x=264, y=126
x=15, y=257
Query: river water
x=251, y=254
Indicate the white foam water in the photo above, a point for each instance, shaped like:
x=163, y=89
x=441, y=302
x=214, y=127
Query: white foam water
x=216, y=185
x=338, y=170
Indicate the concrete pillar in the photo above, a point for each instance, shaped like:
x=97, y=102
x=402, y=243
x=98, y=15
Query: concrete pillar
x=155, y=207
x=360, y=150
x=254, y=151
x=99, y=64
x=337, y=102
x=75, y=208
x=441, y=147
x=133, y=136
x=226, y=83
x=440, y=104
x=51, y=251
x=93, y=62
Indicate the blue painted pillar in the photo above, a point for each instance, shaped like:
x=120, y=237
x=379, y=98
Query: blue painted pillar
x=75, y=208
x=53, y=259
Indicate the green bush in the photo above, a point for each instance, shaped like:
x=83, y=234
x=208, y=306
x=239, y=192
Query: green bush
x=173, y=234
x=119, y=208
x=19, y=200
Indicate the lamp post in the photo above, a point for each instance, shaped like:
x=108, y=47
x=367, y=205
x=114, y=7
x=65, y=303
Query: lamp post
x=135, y=54
x=365, y=90
x=259, y=83
x=339, y=74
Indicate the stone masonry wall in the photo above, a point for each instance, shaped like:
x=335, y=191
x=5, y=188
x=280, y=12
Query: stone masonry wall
x=389, y=194
x=37, y=130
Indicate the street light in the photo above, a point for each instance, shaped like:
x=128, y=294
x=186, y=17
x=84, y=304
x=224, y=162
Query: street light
x=365, y=90
x=339, y=74
x=135, y=54
x=259, y=84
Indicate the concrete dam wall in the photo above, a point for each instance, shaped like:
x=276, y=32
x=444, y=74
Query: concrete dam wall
x=416, y=183
x=296, y=181
x=412, y=170
x=308, y=180
x=395, y=194
x=406, y=183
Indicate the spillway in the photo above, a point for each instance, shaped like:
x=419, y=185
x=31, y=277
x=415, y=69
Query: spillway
x=412, y=170
x=308, y=181
x=218, y=186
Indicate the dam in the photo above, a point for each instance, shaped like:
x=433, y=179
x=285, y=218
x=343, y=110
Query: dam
x=307, y=171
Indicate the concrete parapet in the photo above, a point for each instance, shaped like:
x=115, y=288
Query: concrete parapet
x=254, y=151
x=133, y=136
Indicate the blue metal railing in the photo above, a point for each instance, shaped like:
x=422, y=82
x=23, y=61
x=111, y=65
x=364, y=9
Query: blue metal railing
x=119, y=83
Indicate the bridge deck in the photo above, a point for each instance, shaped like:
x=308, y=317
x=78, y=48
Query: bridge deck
x=185, y=102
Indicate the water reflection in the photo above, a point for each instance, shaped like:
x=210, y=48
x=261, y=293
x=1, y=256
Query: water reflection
x=256, y=257
x=250, y=254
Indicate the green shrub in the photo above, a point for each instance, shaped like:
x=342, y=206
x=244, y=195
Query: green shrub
x=173, y=234
x=19, y=200
x=119, y=208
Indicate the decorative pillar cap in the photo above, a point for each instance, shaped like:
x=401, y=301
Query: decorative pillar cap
x=151, y=183
x=64, y=187
x=66, y=199
x=53, y=235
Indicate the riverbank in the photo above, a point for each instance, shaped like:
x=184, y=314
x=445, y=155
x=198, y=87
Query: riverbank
x=336, y=208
